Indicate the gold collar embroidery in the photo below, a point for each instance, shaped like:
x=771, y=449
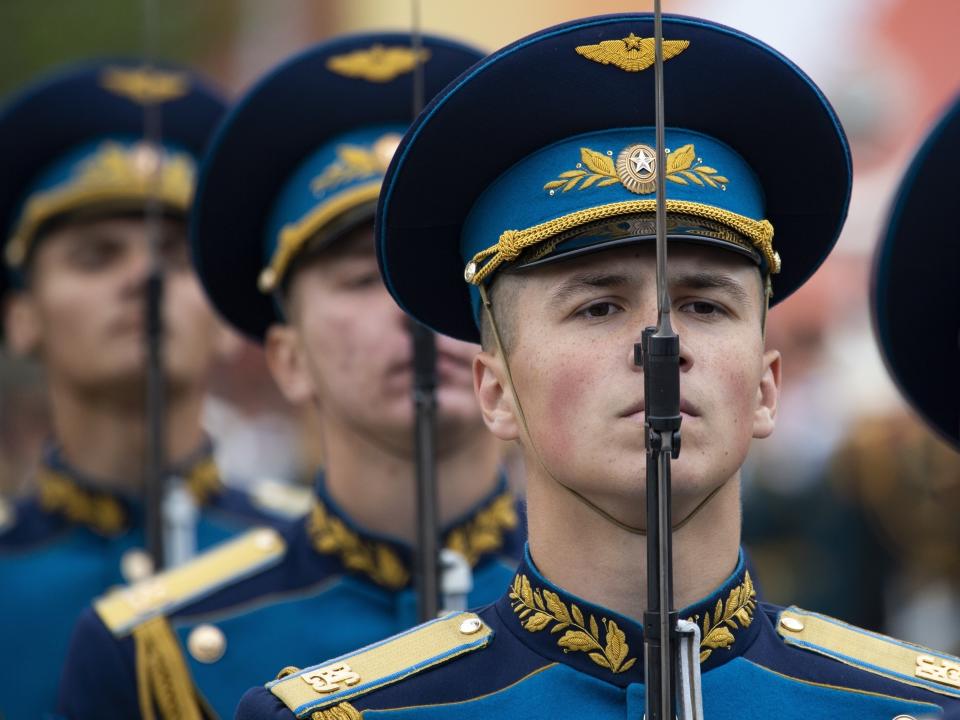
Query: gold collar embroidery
x=604, y=642
x=106, y=513
x=481, y=534
x=100, y=511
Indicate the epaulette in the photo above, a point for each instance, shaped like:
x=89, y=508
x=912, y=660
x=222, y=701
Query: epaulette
x=125, y=608
x=345, y=678
x=904, y=662
x=279, y=498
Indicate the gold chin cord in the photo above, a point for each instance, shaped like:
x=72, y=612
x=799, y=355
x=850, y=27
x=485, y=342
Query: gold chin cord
x=488, y=310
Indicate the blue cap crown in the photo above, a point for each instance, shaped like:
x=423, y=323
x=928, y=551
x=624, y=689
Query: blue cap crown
x=754, y=147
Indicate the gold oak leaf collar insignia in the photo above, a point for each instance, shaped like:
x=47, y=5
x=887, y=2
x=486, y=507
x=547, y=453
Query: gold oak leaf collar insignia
x=107, y=513
x=384, y=563
x=632, y=53
x=605, y=643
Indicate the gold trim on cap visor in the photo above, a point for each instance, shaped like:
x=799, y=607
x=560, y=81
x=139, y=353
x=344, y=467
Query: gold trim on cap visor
x=759, y=233
x=114, y=174
x=295, y=235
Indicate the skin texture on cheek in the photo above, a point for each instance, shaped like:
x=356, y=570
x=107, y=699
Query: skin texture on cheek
x=576, y=380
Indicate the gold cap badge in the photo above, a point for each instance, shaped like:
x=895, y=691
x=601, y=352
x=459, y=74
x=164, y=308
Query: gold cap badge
x=631, y=54
x=145, y=86
x=377, y=63
x=637, y=168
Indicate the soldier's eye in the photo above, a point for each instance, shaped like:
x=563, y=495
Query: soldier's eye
x=94, y=253
x=363, y=280
x=600, y=310
x=703, y=307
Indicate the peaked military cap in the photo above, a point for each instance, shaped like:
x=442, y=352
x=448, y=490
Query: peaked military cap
x=75, y=141
x=916, y=282
x=545, y=150
x=303, y=153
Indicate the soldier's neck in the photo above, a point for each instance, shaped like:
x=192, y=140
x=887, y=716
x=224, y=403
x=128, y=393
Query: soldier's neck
x=583, y=553
x=105, y=437
x=375, y=484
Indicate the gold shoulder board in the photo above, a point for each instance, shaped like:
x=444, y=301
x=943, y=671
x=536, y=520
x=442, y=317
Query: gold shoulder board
x=872, y=652
x=307, y=691
x=123, y=609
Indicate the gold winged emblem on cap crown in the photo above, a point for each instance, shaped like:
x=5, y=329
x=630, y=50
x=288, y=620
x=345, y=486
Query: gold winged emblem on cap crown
x=378, y=63
x=632, y=53
x=145, y=85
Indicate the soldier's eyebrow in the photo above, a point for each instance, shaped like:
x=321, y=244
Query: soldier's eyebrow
x=586, y=281
x=713, y=281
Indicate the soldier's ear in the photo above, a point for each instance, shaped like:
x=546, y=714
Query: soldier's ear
x=22, y=325
x=288, y=364
x=490, y=383
x=768, y=395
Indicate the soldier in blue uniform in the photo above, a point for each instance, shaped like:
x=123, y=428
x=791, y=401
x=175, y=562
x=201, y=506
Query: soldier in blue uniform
x=283, y=241
x=75, y=178
x=915, y=271
x=532, y=178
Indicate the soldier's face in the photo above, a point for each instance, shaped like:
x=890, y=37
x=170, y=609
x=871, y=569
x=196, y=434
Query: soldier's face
x=357, y=351
x=83, y=312
x=572, y=362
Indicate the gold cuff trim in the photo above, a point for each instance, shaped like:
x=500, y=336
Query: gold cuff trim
x=294, y=235
x=513, y=242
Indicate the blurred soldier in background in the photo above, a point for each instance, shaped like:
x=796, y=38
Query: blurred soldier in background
x=283, y=241
x=906, y=481
x=75, y=178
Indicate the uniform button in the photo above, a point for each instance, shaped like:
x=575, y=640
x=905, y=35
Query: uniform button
x=206, y=643
x=265, y=539
x=470, y=626
x=136, y=565
x=791, y=624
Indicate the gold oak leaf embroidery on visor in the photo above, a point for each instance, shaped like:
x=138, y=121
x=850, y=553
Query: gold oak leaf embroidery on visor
x=632, y=53
x=356, y=161
x=537, y=609
x=635, y=169
x=736, y=612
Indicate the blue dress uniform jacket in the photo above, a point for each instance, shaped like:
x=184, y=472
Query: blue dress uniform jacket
x=237, y=614
x=69, y=543
x=539, y=652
